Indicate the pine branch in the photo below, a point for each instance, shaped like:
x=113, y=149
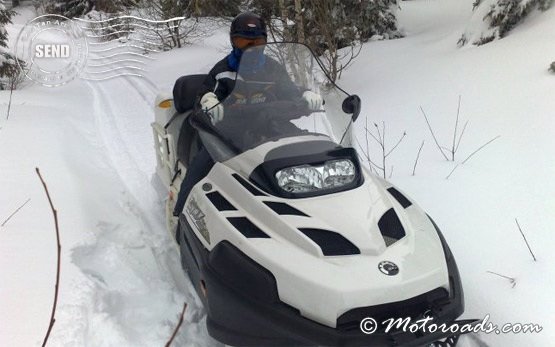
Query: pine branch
x=55, y=214
x=178, y=326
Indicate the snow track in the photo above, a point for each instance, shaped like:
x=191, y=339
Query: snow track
x=134, y=287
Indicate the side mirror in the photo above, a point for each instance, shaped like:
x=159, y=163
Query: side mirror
x=351, y=104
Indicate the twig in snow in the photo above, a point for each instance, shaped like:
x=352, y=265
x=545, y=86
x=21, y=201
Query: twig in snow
x=55, y=214
x=380, y=139
x=460, y=137
x=471, y=154
x=450, y=173
x=484, y=145
x=391, y=173
x=511, y=280
x=417, y=156
x=17, y=210
x=366, y=158
x=456, y=142
x=178, y=326
x=525, y=240
x=433, y=135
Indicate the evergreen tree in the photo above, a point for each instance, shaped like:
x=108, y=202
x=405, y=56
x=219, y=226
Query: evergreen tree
x=8, y=64
x=329, y=25
x=500, y=17
x=66, y=8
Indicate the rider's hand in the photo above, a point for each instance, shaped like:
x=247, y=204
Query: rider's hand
x=210, y=103
x=313, y=100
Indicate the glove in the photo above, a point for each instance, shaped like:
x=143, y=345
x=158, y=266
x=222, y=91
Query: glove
x=210, y=103
x=313, y=100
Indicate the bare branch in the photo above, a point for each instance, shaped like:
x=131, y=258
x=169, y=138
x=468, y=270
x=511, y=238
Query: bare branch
x=398, y=142
x=525, y=240
x=178, y=326
x=484, y=145
x=368, y=159
x=367, y=142
x=374, y=137
x=17, y=210
x=460, y=137
x=455, y=131
x=433, y=135
x=417, y=156
x=456, y=166
x=511, y=280
x=55, y=214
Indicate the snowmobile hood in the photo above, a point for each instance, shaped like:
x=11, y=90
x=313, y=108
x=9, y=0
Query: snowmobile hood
x=360, y=247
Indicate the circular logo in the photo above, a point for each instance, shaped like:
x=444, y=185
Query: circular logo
x=54, y=49
x=368, y=325
x=388, y=268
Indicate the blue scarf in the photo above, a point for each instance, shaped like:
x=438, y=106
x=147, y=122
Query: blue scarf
x=234, y=58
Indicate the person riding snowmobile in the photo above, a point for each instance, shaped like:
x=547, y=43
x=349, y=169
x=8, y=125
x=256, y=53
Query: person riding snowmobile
x=247, y=30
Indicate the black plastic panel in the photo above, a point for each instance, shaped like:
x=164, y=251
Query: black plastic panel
x=284, y=209
x=391, y=226
x=414, y=308
x=399, y=197
x=247, y=228
x=220, y=202
x=330, y=242
x=248, y=186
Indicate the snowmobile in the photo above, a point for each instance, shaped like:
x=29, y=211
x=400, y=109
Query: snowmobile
x=289, y=240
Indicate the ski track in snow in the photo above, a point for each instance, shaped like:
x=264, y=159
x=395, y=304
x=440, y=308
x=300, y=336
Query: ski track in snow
x=125, y=307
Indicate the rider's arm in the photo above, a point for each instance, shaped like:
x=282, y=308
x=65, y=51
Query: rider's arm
x=219, y=81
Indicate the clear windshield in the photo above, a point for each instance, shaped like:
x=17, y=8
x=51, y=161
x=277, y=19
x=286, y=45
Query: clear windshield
x=269, y=99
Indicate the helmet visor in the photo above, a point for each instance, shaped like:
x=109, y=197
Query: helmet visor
x=245, y=42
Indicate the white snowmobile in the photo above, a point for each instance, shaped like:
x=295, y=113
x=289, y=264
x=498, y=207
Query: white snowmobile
x=289, y=240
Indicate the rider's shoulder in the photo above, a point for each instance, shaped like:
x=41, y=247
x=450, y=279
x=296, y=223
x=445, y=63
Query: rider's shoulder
x=220, y=67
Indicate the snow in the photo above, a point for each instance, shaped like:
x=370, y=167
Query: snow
x=121, y=279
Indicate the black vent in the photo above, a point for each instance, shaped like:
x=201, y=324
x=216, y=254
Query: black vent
x=390, y=225
x=248, y=186
x=330, y=242
x=247, y=228
x=284, y=209
x=414, y=308
x=399, y=197
x=220, y=202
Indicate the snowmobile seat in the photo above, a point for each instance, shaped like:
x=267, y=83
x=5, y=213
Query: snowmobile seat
x=185, y=93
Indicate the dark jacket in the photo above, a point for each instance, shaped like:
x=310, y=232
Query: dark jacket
x=221, y=79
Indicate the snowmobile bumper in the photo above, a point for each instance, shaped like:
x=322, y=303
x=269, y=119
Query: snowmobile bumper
x=244, y=308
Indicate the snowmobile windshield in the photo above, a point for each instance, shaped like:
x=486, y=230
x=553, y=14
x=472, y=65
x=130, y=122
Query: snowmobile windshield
x=276, y=94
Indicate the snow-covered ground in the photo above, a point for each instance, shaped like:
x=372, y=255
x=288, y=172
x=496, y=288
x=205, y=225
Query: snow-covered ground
x=121, y=280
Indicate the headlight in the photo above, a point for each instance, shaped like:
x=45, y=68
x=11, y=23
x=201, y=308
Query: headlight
x=308, y=178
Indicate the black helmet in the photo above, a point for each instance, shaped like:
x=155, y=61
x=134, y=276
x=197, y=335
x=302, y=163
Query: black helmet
x=248, y=25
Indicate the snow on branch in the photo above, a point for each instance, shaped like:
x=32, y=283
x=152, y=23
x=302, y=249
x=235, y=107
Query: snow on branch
x=494, y=19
